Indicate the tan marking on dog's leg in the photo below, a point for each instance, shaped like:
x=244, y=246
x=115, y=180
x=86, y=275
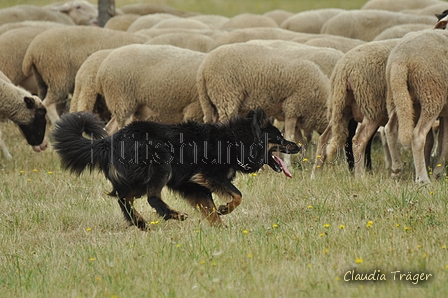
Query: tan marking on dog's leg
x=208, y=209
x=229, y=207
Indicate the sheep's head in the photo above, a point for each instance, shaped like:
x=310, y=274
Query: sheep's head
x=34, y=129
x=443, y=19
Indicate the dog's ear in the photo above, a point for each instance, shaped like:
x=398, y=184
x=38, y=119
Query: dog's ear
x=259, y=121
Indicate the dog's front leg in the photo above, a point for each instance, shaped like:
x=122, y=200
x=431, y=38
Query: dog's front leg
x=229, y=190
x=131, y=215
x=204, y=203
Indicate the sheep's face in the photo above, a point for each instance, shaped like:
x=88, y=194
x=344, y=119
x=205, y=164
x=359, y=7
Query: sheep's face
x=34, y=129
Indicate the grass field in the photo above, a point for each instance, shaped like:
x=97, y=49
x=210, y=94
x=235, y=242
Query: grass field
x=62, y=236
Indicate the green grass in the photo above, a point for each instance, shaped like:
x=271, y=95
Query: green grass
x=62, y=236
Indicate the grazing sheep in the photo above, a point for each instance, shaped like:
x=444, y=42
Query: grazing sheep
x=20, y=13
x=80, y=11
x=152, y=8
x=246, y=34
x=358, y=90
x=213, y=21
x=13, y=45
x=151, y=33
x=26, y=111
x=398, y=5
x=341, y=43
x=278, y=15
x=121, y=22
x=85, y=96
x=325, y=58
x=417, y=77
x=55, y=68
x=366, y=24
x=10, y=26
x=235, y=78
x=249, y=20
x=433, y=9
x=164, y=90
x=399, y=31
x=147, y=21
x=310, y=21
x=192, y=41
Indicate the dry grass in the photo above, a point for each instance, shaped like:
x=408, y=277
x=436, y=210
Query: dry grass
x=62, y=236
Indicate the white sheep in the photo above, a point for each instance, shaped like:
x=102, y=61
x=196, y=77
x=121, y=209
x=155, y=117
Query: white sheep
x=13, y=45
x=163, y=90
x=15, y=25
x=26, y=111
x=278, y=15
x=211, y=20
x=366, y=24
x=147, y=21
x=249, y=20
x=55, y=67
x=246, y=34
x=358, y=90
x=341, y=43
x=398, y=5
x=181, y=23
x=121, y=22
x=85, y=96
x=417, y=77
x=310, y=21
x=151, y=8
x=192, y=41
x=399, y=31
x=325, y=58
x=238, y=77
x=24, y=12
x=80, y=11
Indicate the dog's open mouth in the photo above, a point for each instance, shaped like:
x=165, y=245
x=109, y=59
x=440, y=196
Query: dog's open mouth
x=277, y=164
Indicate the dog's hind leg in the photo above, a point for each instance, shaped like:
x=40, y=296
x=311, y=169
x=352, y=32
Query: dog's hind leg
x=132, y=216
x=162, y=209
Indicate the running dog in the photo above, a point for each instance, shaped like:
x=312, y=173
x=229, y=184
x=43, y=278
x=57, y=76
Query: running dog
x=192, y=159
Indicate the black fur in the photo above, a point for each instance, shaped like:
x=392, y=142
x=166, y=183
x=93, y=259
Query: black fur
x=34, y=131
x=193, y=159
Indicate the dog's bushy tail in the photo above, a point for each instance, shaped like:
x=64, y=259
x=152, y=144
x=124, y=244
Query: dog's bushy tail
x=76, y=151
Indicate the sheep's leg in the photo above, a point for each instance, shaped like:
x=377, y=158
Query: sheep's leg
x=387, y=158
x=429, y=143
x=4, y=148
x=52, y=112
x=420, y=132
x=360, y=141
x=321, y=152
x=291, y=132
x=130, y=214
x=442, y=148
x=391, y=130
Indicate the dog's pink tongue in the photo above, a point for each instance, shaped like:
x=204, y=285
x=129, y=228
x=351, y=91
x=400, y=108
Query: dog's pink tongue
x=283, y=165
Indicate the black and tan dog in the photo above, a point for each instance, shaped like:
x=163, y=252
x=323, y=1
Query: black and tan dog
x=193, y=159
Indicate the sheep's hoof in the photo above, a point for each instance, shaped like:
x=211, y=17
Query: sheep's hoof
x=396, y=173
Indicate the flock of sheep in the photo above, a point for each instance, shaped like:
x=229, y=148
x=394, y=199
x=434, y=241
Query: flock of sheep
x=382, y=65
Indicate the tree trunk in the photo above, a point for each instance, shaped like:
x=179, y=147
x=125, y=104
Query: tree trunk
x=106, y=10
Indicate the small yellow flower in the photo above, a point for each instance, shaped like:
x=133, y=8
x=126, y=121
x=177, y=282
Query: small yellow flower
x=50, y=172
x=92, y=259
x=337, y=278
x=88, y=229
x=178, y=245
x=439, y=164
x=275, y=226
x=358, y=261
x=341, y=227
x=443, y=246
x=321, y=234
x=326, y=250
x=430, y=173
x=425, y=255
x=419, y=246
x=35, y=170
x=21, y=172
x=305, y=159
x=446, y=266
x=152, y=223
x=249, y=256
x=253, y=174
x=369, y=224
x=317, y=167
x=29, y=180
x=326, y=226
x=319, y=156
x=310, y=207
x=202, y=262
x=397, y=225
x=406, y=228
x=246, y=232
x=213, y=263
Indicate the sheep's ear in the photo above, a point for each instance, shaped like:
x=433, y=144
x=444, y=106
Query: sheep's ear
x=64, y=8
x=29, y=102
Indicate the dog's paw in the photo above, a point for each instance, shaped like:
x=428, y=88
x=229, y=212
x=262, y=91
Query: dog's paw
x=223, y=209
x=142, y=225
